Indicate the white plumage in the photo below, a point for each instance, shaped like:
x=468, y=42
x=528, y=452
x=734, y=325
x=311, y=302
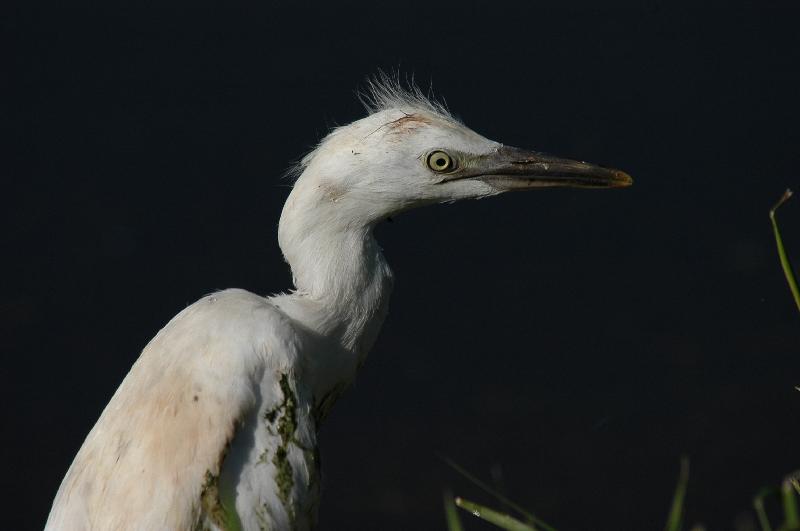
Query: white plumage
x=214, y=427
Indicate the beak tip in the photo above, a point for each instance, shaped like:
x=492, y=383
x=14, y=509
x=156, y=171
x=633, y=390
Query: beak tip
x=622, y=179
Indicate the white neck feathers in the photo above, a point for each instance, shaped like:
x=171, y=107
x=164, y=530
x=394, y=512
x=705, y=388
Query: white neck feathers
x=340, y=275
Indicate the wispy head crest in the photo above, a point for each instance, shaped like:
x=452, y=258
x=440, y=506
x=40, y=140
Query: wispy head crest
x=386, y=91
x=383, y=92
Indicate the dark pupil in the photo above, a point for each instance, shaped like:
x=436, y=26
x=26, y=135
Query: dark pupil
x=441, y=162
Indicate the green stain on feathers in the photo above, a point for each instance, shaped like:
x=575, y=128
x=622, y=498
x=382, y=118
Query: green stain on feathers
x=287, y=424
x=221, y=513
x=263, y=457
x=284, y=477
x=285, y=414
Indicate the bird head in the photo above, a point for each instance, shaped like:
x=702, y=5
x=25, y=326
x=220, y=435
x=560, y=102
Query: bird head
x=410, y=151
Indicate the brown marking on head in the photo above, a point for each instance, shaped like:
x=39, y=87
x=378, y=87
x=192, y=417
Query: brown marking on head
x=402, y=125
x=406, y=124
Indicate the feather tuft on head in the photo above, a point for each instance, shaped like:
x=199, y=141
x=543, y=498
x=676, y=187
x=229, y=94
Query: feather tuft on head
x=385, y=92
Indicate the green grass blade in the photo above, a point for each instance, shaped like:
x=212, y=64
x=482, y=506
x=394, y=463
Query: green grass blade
x=790, y=512
x=676, y=511
x=758, y=505
x=451, y=514
x=794, y=480
x=785, y=263
x=528, y=515
x=501, y=520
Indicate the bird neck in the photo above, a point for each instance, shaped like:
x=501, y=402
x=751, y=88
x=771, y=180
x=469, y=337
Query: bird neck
x=341, y=278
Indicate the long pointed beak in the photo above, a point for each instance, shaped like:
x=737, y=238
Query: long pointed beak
x=514, y=168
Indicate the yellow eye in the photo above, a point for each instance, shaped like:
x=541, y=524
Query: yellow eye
x=441, y=162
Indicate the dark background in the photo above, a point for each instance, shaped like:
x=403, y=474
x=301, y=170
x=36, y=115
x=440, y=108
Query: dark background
x=576, y=343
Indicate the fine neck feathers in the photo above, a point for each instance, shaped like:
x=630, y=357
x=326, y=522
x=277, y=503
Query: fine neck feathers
x=341, y=278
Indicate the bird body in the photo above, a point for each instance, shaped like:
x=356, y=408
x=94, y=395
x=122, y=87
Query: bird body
x=214, y=427
x=166, y=451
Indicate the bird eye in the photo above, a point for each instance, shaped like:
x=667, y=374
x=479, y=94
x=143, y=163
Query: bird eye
x=441, y=162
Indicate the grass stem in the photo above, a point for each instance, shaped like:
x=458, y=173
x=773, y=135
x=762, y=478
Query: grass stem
x=785, y=263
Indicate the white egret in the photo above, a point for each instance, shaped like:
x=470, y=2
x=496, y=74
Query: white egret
x=214, y=427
